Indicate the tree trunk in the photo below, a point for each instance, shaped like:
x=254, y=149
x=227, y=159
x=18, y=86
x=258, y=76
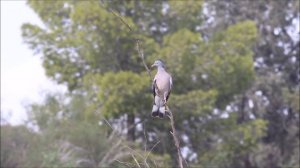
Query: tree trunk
x=130, y=127
x=242, y=115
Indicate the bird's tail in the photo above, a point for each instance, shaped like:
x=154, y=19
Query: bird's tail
x=158, y=111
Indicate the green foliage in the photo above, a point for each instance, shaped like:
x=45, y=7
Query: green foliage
x=45, y=115
x=292, y=98
x=233, y=143
x=227, y=61
x=122, y=92
x=195, y=103
x=14, y=146
x=21, y=147
x=186, y=13
x=53, y=159
x=80, y=141
x=179, y=49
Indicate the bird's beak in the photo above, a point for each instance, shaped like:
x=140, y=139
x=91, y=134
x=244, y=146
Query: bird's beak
x=152, y=65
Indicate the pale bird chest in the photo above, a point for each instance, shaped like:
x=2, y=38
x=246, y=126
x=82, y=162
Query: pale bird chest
x=163, y=83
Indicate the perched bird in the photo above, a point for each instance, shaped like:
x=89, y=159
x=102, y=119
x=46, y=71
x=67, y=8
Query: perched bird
x=161, y=88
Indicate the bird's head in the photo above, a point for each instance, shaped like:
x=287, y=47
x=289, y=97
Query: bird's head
x=158, y=63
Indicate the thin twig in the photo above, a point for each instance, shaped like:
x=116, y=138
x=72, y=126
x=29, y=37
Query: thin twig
x=124, y=146
x=150, y=152
x=141, y=54
x=122, y=20
x=138, y=43
x=108, y=123
x=117, y=157
x=124, y=163
x=110, y=152
x=137, y=153
x=177, y=144
x=135, y=160
x=129, y=128
x=145, y=137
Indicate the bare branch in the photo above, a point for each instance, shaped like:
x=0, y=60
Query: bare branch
x=150, y=152
x=138, y=43
x=145, y=137
x=124, y=163
x=135, y=161
x=137, y=153
x=108, y=123
x=177, y=143
x=122, y=20
x=112, y=151
x=141, y=54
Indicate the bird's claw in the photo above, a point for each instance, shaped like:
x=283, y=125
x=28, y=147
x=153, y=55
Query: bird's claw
x=165, y=102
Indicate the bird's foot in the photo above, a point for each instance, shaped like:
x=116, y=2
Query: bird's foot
x=165, y=102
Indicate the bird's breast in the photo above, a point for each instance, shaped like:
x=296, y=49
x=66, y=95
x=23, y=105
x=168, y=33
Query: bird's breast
x=163, y=85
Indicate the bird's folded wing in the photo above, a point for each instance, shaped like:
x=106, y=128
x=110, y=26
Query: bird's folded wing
x=170, y=88
x=154, y=87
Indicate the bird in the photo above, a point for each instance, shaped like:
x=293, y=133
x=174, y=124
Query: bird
x=161, y=88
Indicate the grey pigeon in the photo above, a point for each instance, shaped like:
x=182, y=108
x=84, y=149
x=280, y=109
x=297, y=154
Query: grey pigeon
x=161, y=87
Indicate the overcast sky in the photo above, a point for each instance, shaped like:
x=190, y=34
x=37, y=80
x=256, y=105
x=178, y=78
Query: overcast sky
x=23, y=79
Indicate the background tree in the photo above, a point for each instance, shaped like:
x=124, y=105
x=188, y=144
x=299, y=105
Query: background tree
x=276, y=54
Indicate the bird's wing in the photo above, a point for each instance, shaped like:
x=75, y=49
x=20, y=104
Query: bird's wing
x=153, y=87
x=170, y=88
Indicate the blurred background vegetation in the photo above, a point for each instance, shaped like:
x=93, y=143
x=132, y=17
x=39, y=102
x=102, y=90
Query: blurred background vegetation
x=235, y=68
